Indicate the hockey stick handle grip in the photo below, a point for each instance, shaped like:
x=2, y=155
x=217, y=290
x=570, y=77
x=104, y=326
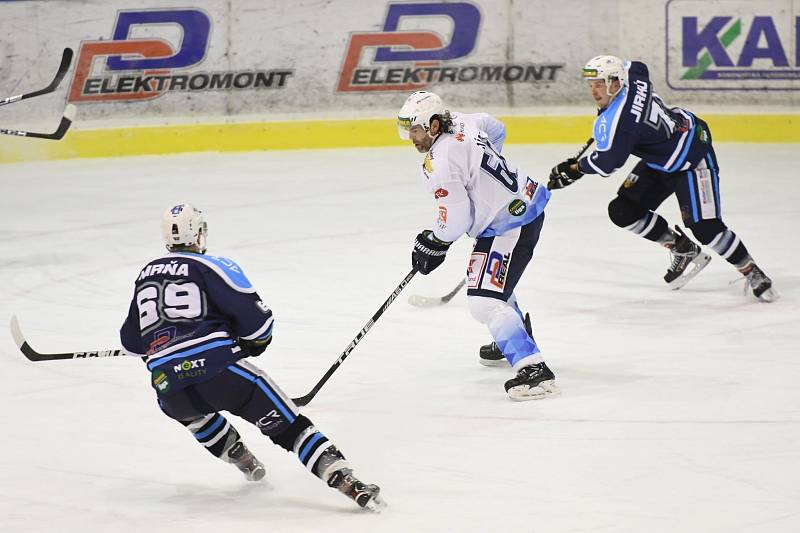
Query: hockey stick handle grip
x=304, y=400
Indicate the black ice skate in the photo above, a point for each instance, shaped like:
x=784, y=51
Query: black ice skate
x=490, y=354
x=533, y=382
x=687, y=261
x=246, y=462
x=760, y=284
x=366, y=496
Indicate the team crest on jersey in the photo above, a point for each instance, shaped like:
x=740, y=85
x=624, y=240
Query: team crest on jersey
x=440, y=193
x=460, y=136
x=517, y=208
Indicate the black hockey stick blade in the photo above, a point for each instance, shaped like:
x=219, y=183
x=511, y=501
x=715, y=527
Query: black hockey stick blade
x=418, y=300
x=66, y=60
x=66, y=122
x=303, y=400
x=33, y=355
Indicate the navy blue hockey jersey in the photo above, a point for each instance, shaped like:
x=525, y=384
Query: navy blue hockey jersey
x=638, y=122
x=187, y=312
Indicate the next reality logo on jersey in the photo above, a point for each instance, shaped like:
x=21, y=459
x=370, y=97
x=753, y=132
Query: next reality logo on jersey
x=733, y=45
x=409, y=54
x=149, y=54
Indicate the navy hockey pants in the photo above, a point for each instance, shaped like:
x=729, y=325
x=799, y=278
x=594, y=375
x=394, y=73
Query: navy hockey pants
x=241, y=389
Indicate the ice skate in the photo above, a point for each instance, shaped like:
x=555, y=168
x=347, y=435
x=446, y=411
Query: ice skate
x=533, y=382
x=246, y=462
x=490, y=354
x=760, y=284
x=366, y=496
x=687, y=261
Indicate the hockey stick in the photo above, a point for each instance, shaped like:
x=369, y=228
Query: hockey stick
x=66, y=60
x=66, y=122
x=33, y=355
x=585, y=147
x=428, y=301
x=303, y=400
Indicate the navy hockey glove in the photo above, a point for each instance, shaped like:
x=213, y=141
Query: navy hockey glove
x=254, y=347
x=562, y=175
x=428, y=252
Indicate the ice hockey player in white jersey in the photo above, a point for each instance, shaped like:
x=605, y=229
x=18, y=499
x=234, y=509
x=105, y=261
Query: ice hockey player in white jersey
x=195, y=318
x=478, y=193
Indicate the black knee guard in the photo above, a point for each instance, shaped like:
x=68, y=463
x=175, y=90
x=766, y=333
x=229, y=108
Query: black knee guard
x=706, y=230
x=287, y=438
x=623, y=212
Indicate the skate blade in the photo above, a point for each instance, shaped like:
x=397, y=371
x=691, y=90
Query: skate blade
x=768, y=296
x=256, y=475
x=694, y=268
x=494, y=362
x=522, y=393
x=376, y=504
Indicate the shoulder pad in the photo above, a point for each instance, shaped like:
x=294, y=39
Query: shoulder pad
x=606, y=123
x=228, y=270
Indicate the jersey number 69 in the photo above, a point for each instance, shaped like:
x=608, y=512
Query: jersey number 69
x=172, y=302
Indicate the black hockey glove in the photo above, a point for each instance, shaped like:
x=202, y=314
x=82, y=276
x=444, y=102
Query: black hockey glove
x=562, y=175
x=254, y=347
x=428, y=252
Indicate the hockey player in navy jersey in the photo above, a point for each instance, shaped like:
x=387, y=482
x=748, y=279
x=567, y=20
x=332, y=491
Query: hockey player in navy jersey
x=677, y=157
x=195, y=319
x=478, y=193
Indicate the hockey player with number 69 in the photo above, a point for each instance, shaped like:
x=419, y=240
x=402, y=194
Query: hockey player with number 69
x=194, y=319
x=478, y=193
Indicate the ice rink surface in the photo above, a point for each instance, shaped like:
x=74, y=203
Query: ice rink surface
x=680, y=410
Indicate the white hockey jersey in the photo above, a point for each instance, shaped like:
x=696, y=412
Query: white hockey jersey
x=477, y=191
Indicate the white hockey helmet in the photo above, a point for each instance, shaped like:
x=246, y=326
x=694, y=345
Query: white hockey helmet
x=184, y=225
x=606, y=68
x=418, y=110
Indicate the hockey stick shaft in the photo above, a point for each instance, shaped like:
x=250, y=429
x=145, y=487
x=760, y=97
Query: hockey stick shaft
x=66, y=122
x=304, y=400
x=429, y=301
x=585, y=147
x=66, y=60
x=33, y=355
x=449, y=296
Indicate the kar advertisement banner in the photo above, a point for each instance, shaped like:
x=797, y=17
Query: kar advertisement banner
x=733, y=45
